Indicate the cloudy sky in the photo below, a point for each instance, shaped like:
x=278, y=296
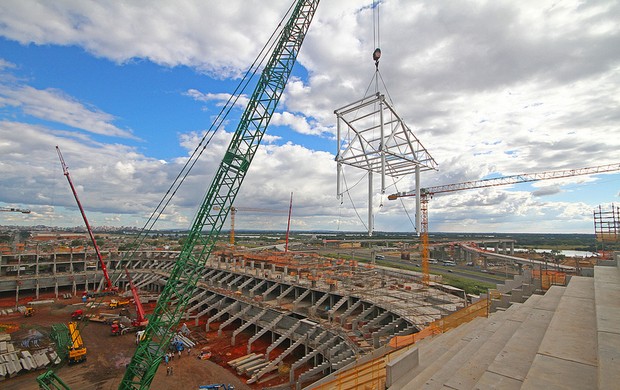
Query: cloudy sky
x=127, y=89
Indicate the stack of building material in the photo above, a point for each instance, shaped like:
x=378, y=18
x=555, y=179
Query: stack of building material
x=184, y=340
x=9, y=363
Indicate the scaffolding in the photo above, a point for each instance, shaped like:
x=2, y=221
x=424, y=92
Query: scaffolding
x=606, y=227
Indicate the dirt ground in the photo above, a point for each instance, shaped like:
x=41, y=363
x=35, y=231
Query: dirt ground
x=108, y=355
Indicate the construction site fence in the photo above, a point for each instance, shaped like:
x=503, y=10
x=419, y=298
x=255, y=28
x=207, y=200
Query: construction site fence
x=372, y=374
x=549, y=278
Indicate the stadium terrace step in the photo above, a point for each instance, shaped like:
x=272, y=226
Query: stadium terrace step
x=567, y=357
x=607, y=298
x=468, y=365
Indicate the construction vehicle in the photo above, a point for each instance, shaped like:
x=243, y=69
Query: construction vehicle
x=181, y=284
x=114, y=303
x=121, y=327
x=77, y=315
x=427, y=193
x=29, y=312
x=110, y=289
x=77, y=350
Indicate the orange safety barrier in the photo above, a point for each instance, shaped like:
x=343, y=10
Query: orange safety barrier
x=466, y=314
x=549, y=278
x=8, y=328
x=372, y=374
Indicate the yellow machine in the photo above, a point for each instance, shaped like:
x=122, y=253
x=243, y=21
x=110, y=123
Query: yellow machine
x=77, y=350
x=29, y=312
x=115, y=303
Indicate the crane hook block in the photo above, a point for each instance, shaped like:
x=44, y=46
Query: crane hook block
x=376, y=55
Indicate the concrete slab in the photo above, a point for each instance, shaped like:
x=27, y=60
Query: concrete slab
x=432, y=349
x=607, y=306
x=465, y=373
x=533, y=300
x=608, y=360
x=553, y=296
x=607, y=274
x=570, y=334
x=580, y=286
x=441, y=371
x=516, y=358
x=492, y=381
x=551, y=373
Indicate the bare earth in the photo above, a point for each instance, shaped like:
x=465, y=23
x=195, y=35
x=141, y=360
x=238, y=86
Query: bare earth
x=107, y=356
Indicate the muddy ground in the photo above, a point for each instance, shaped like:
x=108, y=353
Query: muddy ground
x=108, y=355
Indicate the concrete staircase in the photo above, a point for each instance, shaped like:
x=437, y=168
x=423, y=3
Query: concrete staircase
x=568, y=338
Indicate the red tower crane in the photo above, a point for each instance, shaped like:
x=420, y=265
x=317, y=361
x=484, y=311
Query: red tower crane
x=427, y=193
x=109, y=285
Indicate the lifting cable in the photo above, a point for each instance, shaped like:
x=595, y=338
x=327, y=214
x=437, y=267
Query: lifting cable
x=250, y=74
x=351, y=199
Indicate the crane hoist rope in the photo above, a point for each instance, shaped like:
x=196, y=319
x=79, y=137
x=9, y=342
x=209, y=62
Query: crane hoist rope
x=226, y=183
x=221, y=117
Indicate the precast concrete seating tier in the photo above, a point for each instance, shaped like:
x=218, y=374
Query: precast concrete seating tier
x=568, y=338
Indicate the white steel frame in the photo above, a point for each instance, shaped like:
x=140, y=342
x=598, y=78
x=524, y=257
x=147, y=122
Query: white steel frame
x=373, y=137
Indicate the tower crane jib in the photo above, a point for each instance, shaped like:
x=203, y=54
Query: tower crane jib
x=426, y=193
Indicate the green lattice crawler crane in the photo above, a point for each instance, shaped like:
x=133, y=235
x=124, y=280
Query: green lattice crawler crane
x=219, y=199
x=50, y=381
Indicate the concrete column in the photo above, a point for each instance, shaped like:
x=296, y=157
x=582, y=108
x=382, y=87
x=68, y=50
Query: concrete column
x=36, y=290
x=512, y=248
x=497, y=247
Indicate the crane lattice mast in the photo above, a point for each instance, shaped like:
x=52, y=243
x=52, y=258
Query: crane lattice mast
x=218, y=201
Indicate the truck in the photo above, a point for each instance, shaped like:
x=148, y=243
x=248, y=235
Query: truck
x=119, y=303
x=29, y=312
x=77, y=315
x=77, y=350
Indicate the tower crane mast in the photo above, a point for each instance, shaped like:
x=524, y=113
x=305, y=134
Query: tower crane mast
x=15, y=209
x=427, y=193
x=233, y=215
x=109, y=285
x=218, y=200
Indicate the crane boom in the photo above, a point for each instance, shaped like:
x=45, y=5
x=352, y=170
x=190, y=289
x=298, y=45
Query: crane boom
x=141, y=316
x=208, y=221
x=65, y=170
x=507, y=180
x=15, y=209
x=426, y=193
